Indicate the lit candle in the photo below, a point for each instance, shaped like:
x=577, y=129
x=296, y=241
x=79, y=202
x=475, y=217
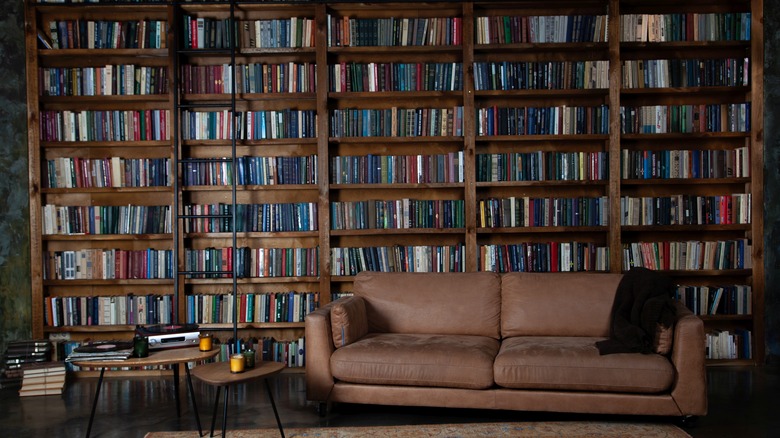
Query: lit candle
x=205, y=342
x=237, y=363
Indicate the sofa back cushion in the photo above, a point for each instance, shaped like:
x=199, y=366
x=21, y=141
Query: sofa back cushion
x=432, y=303
x=557, y=304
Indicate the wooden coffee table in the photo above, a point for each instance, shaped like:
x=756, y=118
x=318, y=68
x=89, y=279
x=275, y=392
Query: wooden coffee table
x=219, y=375
x=173, y=357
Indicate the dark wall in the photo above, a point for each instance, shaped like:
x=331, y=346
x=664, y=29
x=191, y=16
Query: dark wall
x=15, y=321
x=14, y=231
x=772, y=176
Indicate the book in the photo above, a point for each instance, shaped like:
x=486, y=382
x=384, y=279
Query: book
x=35, y=392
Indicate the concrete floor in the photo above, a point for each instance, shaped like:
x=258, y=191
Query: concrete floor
x=743, y=402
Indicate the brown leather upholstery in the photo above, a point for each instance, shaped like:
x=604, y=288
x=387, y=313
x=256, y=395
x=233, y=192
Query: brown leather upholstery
x=428, y=303
x=432, y=336
x=565, y=304
x=452, y=361
x=574, y=363
x=348, y=321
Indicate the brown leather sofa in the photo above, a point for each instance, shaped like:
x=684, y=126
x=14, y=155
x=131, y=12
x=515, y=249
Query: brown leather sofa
x=517, y=341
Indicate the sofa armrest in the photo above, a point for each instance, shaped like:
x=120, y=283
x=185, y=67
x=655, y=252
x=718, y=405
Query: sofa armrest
x=688, y=356
x=319, y=348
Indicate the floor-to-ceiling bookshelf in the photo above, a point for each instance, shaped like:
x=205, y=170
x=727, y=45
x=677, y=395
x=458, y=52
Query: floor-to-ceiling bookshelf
x=443, y=136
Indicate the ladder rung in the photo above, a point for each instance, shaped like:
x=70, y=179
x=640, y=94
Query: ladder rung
x=206, y=273
x=198, y=216
x=206, y=160
x=206, y=105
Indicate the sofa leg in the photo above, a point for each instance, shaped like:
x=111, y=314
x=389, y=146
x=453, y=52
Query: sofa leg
x=687, y=421
x=323, y=408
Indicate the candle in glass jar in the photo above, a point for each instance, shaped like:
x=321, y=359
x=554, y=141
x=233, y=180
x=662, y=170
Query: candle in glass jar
x=249, y=355
x=205, y=342
x=237, y=362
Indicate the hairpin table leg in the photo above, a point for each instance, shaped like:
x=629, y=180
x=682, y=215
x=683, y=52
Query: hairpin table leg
x=192, y=397
x=94, y=402
x=273, y=405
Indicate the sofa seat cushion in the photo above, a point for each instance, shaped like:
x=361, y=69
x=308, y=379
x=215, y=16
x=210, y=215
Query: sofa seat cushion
x=574, y=363
x=452, y=361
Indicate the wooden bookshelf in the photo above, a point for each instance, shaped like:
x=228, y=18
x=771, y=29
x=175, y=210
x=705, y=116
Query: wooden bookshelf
x=528, y=145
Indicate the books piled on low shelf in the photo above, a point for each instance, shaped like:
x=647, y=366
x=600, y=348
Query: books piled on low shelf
x=47, y=378
x=101, y=351
x=17, y=355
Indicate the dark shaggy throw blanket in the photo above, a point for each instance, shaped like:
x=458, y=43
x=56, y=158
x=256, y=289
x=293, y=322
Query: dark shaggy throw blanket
x=644, y=298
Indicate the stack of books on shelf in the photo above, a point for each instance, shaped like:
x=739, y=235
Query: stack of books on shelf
x=19, y=354
x=47, y=378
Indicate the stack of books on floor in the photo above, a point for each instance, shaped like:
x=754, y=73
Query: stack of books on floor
x=43, y=379
x=19, y=354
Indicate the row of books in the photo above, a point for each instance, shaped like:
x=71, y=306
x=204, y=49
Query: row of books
x=108, y=125
x=729, y=344
x=249, y=125
x=694, y=163
x=345, y=31
x=678, y=73
x=686, y=210
x=140, y=125
x=107, y=34
x=251, y=171
x=397, y=214
x=211, y=33
x=80, y=172
x=544, y=257
x=118, y=80
x=218, y=218
x=207, y=33
x=421, y=258
x=251, y=262
x=108, y=264
x=251, y=307
x=543, y=212
x=290, y=32
x=541, y=75
x=130, y=309
x=688, y=255
x=397, y=169
x=106, y=219
x=685, y=27
x=735, y=299
x=290, y=353
x=562, y=120
x=337, y=295
x=294, y=77
x=542, y=166
x=396, y=122
x=395, y=76
x=540, y=29
x=661, y=119
x=289, y=77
